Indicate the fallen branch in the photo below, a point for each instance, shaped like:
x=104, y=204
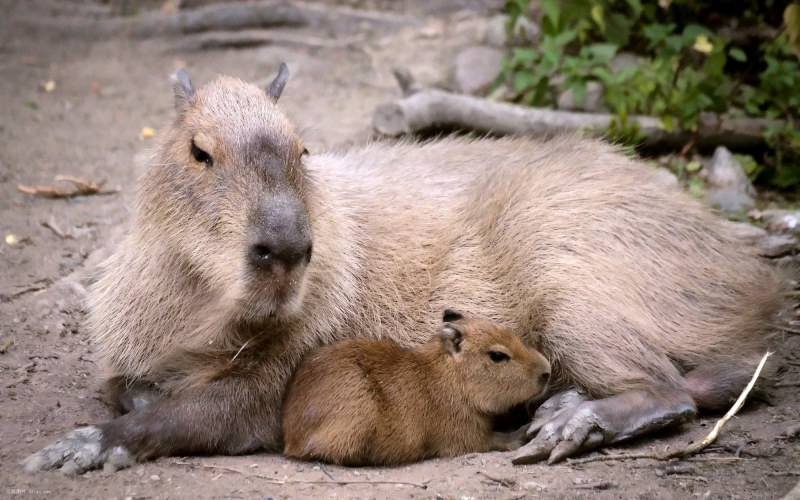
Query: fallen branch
x=272, y=480
x=432, y=109
x=693, y=448
x=230, y=16
x=254, y=38
x=82, y=188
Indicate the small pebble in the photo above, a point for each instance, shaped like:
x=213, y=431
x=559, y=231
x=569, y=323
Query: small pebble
x=154, y=478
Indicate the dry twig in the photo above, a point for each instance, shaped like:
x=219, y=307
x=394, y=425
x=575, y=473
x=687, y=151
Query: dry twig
x=51, y=225
x=272, y=480
x=693, y=448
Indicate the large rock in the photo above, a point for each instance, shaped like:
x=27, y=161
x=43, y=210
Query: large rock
x=525, y=32
x=782, y=221
x=476, y=68
x=729, y=201
x=665, y=178
x=729, y=188
x=747, y=232
x=592, y=101
x=777, y=245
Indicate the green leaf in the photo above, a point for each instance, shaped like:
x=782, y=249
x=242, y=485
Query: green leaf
x=524, y=57
x=523, y=80
x=578, y=88
x=693, y=166
x=603, y=52
x=552, y=12
x=597, y=16
x=565, y=37
x=737, y=54
x=697, y=188
x=636, y=7
x=749, y=165
x=540, y=94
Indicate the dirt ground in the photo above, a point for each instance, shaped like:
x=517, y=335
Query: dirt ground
x=106, y=91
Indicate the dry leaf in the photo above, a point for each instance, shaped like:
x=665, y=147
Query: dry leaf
x=703, y=45
x=48, y=85
x=147, y=133
x=82, y=188
x=170, y=6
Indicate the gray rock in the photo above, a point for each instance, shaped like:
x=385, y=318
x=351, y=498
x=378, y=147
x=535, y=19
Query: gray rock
x=724, y=171
x=624, y=60
x=729, y=188
x=747, y=232
x=777, y=245
x=476, y=68
x=525, y=31
x=729, y=201
x=592, y=101
x=665, y=178
x=782, y=221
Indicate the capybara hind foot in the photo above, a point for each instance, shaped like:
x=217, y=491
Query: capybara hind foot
x=592, y=424
x=79, y=451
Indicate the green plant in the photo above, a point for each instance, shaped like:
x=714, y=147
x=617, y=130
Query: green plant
x=692, y=60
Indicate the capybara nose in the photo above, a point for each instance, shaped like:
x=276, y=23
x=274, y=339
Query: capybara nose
x=282, y=235
x=265, y=253
x=544, y=378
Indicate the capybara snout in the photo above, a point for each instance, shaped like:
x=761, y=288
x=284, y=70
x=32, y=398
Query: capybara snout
x=281, y=235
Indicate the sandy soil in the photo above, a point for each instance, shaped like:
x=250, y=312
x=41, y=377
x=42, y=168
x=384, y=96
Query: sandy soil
x=89, y=125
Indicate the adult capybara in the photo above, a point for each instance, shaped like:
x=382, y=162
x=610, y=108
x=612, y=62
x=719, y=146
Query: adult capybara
x=244, y=252
x=371, y=402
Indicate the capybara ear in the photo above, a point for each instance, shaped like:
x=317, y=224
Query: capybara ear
x=182, y=86
x=452, y=315
x=276, y=87
x=452, y=336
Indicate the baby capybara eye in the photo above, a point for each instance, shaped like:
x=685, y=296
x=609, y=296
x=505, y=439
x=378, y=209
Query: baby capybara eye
x=498, y=357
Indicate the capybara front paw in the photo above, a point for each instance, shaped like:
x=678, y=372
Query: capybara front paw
x=571, y=431
x=77, y=452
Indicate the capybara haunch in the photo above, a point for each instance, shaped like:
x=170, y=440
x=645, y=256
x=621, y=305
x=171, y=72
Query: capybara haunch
x=371, y=402
x=245, y=251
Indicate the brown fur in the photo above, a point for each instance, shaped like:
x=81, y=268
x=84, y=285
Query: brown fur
x=365, y=401
x=621, y=283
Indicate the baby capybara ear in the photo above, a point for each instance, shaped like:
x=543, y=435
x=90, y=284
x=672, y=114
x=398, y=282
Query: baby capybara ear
x=451, y=336
x=452, y=315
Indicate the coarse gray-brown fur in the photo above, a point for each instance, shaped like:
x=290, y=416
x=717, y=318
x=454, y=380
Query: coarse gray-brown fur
x=624, y=285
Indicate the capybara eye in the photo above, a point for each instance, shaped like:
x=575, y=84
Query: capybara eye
x=201, y=156
x=498, y=357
